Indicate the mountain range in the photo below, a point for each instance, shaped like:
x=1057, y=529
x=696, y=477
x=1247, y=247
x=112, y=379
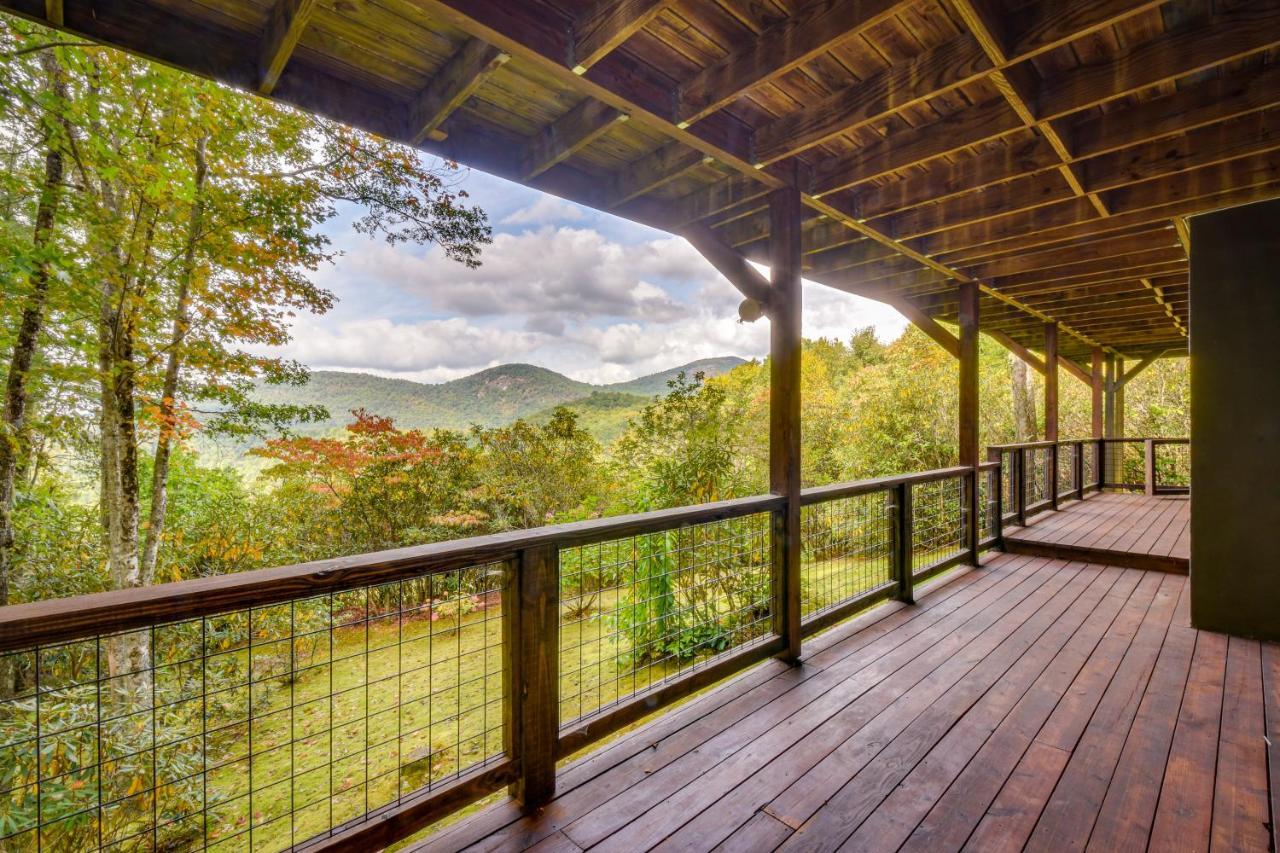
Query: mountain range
x=489, y=398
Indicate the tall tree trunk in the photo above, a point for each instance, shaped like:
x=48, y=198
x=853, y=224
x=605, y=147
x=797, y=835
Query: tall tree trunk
x=1024, y=401
x=168, y=407
x=129, y=654
x=13, y=426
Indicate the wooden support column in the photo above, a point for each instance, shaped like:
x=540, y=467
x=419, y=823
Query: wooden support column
x=784, y=410
x=968, y=426
x=1097, y=385
x=1051, y=406
x=531, y=622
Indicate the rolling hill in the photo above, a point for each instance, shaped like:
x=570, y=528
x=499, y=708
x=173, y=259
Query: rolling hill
x=491, y=397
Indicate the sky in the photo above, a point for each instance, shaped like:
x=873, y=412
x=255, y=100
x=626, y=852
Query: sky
x=562, y=286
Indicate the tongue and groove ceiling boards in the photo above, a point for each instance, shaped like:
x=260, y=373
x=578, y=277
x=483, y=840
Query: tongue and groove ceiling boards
x=1047, y=150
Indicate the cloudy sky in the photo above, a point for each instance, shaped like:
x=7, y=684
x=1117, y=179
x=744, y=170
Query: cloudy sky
x=590, y=295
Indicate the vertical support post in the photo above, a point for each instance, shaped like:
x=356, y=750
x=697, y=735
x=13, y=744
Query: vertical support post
x=1108, y=474
x=784, y=410
x=1096, y=387
x=1149, y=466
x=1051, y=407
x=968, y=427
x=1077, y=472
x=532, y=619
x=902, y=536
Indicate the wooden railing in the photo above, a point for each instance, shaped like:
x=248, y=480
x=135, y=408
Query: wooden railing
x=1038, y=475
x=348, y=703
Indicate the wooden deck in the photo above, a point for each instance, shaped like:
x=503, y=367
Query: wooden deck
x=1134, y=531
x=1030, y=704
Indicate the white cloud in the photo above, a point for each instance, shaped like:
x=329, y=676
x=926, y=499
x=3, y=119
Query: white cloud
x=547, y=210
x=568, y=273
x=451, y=345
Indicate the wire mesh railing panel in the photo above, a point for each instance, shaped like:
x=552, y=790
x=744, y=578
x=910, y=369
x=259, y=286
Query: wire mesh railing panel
x=1090, y=464
x=1009, y=482
x=1038, y=460
x=637, y=612
x=937, y=522
x=1067, y=469
x=988, y=504
x=1173, y=465
x=257, y=729
x=846, y=550
x=1126, y=463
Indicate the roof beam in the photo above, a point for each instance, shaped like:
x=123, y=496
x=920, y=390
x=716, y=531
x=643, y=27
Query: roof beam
x=452, y=85
x=604, y=26
x=981, y=21
x=806, y=33
x=573, y=131
x=1017, y=349
x=934, y=72
x=284, y=29
x=1038, y=27
x=1077, y=252
x=1230, y=34
x=652, y=171
x=916, y=145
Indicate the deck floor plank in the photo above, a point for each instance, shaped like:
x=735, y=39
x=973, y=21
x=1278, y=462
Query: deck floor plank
x=1032, y=703
x=1137, y=531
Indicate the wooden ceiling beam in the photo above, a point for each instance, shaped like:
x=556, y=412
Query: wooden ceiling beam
x=606, y=24
x=284, y=29
x=934, y=72
x=849, y=255
x=1105, y=230
x=1034, y=28
x=1017, y=349
x=452, y=85
x=981, y=20
x=1194, y=105
x=916, y=145
x=1137, y=259
x=1026, y=284
x=1230, y=34
x=1020, y=193
x=654, y=170
x=701, y=204
x=1035, y=227
x=1116, y=247
x=807, y=32
x=565, y=136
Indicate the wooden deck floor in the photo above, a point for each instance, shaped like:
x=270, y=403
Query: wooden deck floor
x=1129, y=530
x=1030, y=704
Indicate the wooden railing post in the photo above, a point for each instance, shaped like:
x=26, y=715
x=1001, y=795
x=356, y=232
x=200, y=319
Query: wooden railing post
x=902, y=536
x=532, y=647
x=1100, y=463
x=1020, y=483
x=1077, y=470
x=1150, y=465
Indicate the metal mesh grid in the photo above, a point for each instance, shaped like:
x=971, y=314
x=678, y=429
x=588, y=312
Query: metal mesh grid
x=846, y=549
x=1090, y=464
x=1067, y=469
x=937, y=522
x=1037, y=474
x=1173, y=464
x=1009, y=486
x=257, y=729
x=637, y=612
x=1126, y=463
x=988, y=506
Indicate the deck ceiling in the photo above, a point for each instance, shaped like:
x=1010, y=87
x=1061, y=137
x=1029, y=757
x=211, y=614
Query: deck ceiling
x=1048, y=150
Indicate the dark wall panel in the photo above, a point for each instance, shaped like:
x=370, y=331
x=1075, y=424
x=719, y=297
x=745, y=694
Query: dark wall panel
x=1235, y=420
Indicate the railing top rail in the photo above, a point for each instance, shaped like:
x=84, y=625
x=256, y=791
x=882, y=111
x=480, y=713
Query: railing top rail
x=1142, y=439
x=64, y=619
x=1025, y=445
x=818, y=494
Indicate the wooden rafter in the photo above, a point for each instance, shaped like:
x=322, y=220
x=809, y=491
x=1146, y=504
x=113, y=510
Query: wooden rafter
x=572, y=132
x=284, y=29
x=604, y=26
x=652, y=171
x=450, y=88
x=812, y=30
x=729, y=263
